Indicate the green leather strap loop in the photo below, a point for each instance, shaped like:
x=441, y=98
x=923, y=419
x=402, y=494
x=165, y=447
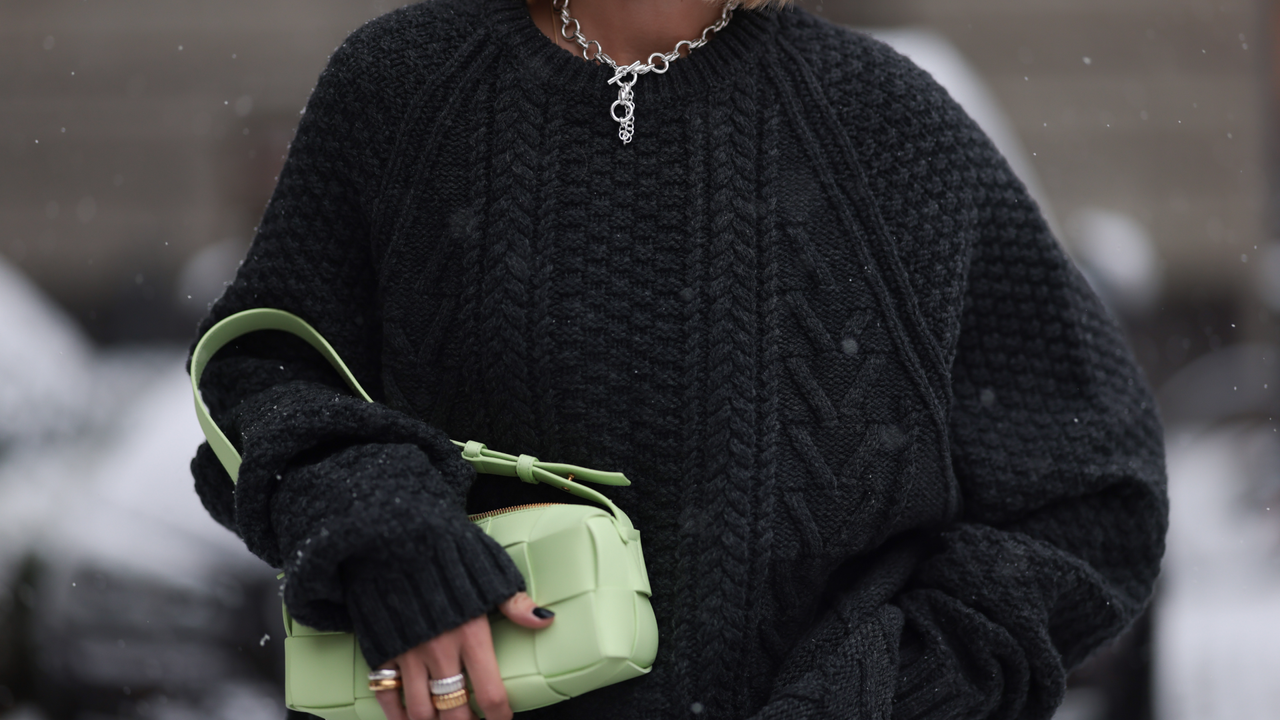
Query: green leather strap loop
x=527, y=468
x=524, y=469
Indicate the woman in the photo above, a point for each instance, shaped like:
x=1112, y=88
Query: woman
x=889, y=454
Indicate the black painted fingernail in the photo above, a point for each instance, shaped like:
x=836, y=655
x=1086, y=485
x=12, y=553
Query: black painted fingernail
x=543, y=613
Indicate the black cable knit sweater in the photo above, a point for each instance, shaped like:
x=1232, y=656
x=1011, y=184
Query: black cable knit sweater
x=890, y=456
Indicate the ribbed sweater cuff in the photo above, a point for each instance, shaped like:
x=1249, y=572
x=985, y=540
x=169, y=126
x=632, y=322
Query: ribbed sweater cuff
x=925, y=684
x=396, y=606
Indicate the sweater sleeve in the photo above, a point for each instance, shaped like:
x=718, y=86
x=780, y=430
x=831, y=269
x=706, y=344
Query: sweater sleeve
x=361, y=505
x=1058, y=452
x=1059, y=455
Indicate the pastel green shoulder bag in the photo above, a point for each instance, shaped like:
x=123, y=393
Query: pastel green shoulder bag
x=583, y=562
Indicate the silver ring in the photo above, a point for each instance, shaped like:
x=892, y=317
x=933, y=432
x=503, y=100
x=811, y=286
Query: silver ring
x=628, y=108
x=387, y=674
x=451, y=684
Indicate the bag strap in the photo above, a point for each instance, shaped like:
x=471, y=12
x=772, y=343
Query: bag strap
x=529, y=469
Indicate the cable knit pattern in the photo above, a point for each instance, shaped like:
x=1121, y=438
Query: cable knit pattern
x=889, y=456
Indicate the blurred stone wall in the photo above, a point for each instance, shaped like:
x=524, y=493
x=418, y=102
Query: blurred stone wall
x=1150, y=107
x=135, y=133
x=1160, y=110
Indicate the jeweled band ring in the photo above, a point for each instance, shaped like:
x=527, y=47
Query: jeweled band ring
x=450, y=701
x=451, y=684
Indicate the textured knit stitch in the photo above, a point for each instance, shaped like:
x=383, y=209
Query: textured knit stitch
x=889, y=455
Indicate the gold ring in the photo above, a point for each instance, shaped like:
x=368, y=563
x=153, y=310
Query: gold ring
x=383, y=684
x=450, y=701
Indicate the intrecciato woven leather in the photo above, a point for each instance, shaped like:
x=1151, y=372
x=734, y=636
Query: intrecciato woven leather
x=583, y=562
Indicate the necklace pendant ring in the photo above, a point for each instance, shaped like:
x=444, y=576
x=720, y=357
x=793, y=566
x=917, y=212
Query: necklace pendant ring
x=628, y=110
x=658, y=63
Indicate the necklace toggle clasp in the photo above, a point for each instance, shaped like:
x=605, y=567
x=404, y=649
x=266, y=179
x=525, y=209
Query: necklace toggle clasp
x=634, y=70
x=625, y=77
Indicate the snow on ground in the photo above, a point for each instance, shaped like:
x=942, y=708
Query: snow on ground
x=44, y=362
x=126, y=500
x=94, y=451
x=94, y=454
x=1218, y=613
x=118, y=493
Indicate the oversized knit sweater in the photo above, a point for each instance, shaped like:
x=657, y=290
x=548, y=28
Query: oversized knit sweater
x=890, y=456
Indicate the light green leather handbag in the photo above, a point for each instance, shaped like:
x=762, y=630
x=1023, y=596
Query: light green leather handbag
x=583, y=562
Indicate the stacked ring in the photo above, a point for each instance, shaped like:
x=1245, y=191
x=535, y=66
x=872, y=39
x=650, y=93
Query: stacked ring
x=451, y=684
x=385, y=679
x=390, y=684
x=451, y=700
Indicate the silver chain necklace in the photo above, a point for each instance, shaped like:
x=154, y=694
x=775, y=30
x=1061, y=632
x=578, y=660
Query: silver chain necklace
x=625, y=77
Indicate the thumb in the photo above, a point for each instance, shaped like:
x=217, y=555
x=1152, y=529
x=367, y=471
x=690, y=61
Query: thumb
x=523, y=611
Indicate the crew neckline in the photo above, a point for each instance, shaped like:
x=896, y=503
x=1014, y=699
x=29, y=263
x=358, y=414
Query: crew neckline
x=732, y=50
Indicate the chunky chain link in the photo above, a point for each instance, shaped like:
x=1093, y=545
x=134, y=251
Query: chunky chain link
x=625, y=77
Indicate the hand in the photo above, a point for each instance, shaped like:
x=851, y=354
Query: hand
x=468, y=646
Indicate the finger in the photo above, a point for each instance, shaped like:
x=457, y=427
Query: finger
x=417, y=696
x=482, y=668
x=444, y=659
x=522, y=610
x=389, y=700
